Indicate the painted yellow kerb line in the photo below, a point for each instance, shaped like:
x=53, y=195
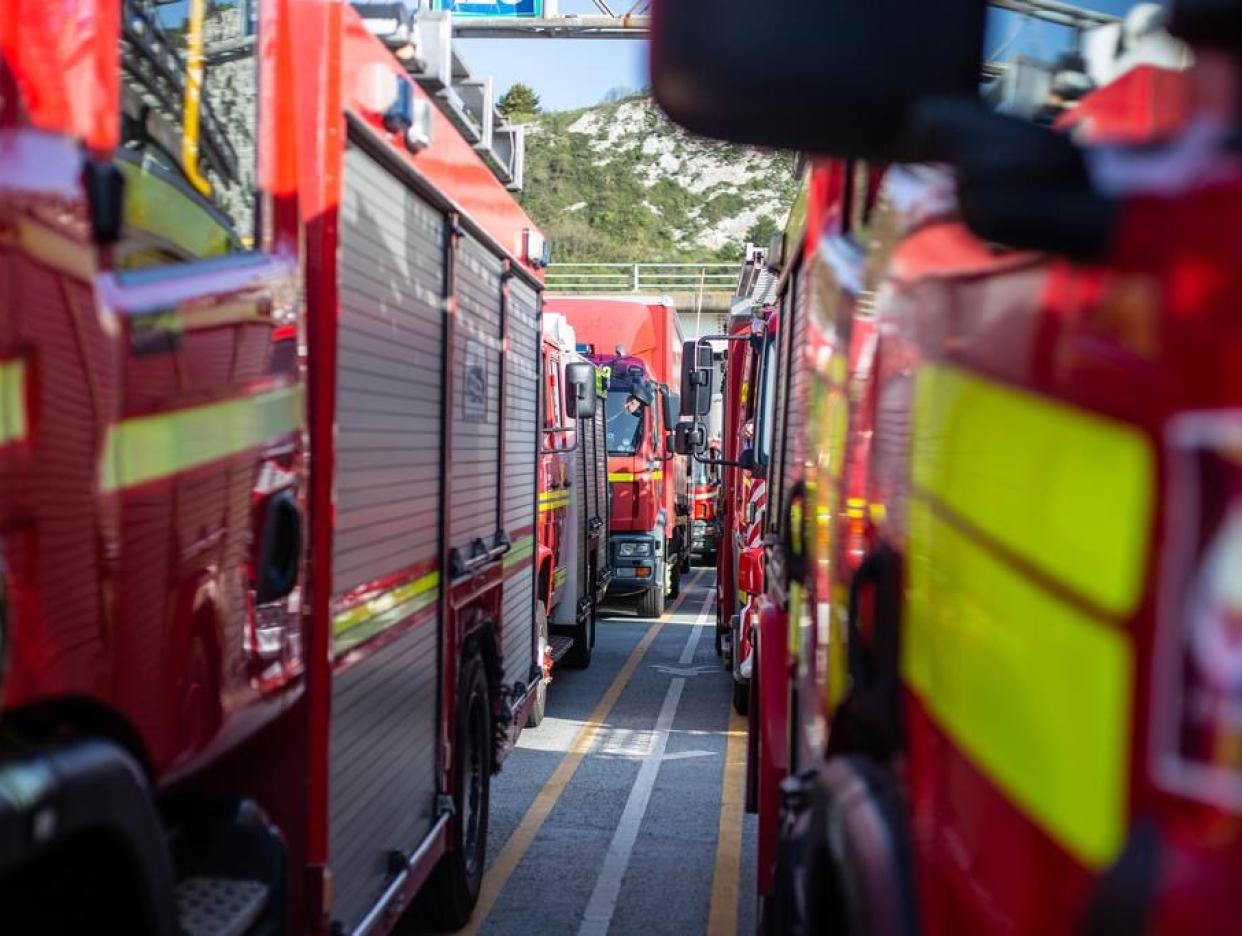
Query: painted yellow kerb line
x=537, y=814
x=722, y=918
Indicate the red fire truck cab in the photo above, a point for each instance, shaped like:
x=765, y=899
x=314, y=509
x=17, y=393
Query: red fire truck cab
x=268, y=328
x=638, y=342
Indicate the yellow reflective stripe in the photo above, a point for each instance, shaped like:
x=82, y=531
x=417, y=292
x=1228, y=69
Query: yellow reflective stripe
x=364, y=621
x=631, y=476
x=1035, y=692
x=12, y=401
x=146, y=448
x=1064, y=489
x=558, y=578
x=551, y=500
x=519, y=551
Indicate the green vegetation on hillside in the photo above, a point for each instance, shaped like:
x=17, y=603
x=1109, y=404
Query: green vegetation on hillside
x=626, y=185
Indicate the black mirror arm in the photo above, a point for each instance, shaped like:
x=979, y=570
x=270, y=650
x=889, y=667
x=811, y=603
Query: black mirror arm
x=718, y=461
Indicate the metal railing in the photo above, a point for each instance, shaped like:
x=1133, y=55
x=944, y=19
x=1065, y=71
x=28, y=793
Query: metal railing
x=654, y=278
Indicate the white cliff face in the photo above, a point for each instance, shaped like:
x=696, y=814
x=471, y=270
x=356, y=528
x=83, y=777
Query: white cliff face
x=230, y=87
x=620, y=179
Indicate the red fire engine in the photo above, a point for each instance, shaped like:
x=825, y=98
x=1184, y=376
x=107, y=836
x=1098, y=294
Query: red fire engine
x=571, y=561
x=649, y=536
x=743, y=496
x=704, y=514
x=267, y=599
x=1015, y=713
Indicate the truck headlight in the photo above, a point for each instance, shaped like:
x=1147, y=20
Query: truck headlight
x=634, y=550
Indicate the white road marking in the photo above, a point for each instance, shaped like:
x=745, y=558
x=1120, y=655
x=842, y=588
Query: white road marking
x=689, y=755
x=603, y=903
x=687, y=671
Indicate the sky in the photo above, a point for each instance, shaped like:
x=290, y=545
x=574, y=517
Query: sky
x=565, y=73
x=573, y=73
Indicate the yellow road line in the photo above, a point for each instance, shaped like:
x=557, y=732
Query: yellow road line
x=537, y=814
x=722, y=919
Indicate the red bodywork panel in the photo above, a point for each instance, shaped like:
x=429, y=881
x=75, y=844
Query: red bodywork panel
x=1146, y=103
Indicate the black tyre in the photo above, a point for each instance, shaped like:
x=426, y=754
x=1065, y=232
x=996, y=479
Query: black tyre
x=579, y=655
x=674, y=585
x=741, y=697
x=451, y=892
x=651, y=604
x=541, y=694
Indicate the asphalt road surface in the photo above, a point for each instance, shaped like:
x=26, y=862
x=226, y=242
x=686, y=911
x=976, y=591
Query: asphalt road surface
x=623, y=812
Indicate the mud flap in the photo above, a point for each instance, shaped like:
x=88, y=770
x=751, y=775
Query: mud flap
x=868, y=720
x=843, y=863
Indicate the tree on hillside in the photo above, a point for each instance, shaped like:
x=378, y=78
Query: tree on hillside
x=519, y=102
x=612, y=95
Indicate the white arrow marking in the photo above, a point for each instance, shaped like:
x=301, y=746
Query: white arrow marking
x=687, y=671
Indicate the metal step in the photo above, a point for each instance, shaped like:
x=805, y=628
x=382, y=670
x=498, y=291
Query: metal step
x=560, y=646
x=219, y=906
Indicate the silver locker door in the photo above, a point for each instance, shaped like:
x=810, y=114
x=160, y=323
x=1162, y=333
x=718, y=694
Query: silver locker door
x=522, y=434
x=386, y=552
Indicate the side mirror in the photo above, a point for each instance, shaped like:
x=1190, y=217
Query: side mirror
x=580, y=398
x=1019, y=184
x=672, y=407
x=750, y=570
x=104, y=186
x=642, y=390
x=696, y=378
x=812, y=76
x=748, y=463
x=688, y=438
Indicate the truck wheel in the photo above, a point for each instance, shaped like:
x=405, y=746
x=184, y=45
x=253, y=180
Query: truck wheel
x=741, y=697
x=541, y=694
x=579, y=655
x=674, y=585
x=450, y=894
x=651, y=605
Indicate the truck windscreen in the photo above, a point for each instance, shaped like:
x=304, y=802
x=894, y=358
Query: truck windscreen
x=626, y=418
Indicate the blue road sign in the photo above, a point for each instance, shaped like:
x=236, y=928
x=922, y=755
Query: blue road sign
x=509, y=8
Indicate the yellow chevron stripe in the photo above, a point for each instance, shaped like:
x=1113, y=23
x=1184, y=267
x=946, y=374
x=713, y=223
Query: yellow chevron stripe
x=147, y=448
x=12, y=401
x=982, y=448
x=1035, y=690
